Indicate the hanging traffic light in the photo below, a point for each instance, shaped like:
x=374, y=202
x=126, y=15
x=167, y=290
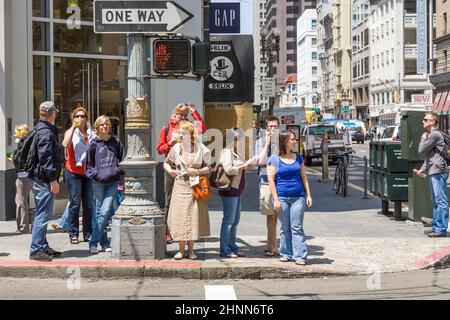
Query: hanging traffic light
x=172, y=56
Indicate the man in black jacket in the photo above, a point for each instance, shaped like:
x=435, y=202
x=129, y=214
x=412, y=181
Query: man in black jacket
x=45, y=182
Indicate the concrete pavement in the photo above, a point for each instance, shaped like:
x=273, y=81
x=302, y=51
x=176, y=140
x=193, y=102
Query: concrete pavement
x=345, y=236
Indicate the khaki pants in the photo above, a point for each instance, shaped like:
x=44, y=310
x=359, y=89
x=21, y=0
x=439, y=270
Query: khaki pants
x=24, y=215
x=266, y=208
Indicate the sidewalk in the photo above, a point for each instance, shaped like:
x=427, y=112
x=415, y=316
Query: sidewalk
x=345, y=236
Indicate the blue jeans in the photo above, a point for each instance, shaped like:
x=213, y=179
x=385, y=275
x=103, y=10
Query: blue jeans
x=230, y=221
x=438, y=188
x=104, y=195
x=64, y=222
x=44, y=207
x=80, y=189
x=116, y=205
x=292, y=236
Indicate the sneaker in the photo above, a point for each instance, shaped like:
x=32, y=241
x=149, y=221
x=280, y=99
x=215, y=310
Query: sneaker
x=106, y=249
x=93, y=250
x=74, y=240
x=436, y=235
x=428, y=231
x=284, y=259
x=40, y=256
x=178, y=256
x=240, y=254
x=87, y=238
x=230, y=255
x=53, y=253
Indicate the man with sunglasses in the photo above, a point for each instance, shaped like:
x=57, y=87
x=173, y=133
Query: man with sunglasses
x=431, y=144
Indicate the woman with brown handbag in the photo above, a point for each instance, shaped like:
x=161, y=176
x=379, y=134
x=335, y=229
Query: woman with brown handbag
x=234, y=166
x=188, y=217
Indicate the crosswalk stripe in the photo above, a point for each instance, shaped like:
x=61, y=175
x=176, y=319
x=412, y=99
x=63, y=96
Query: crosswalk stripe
x=220, y=293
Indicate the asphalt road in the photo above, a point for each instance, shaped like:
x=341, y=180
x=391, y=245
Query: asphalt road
x=420, y=285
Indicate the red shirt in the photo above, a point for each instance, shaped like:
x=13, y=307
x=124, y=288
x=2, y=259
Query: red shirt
x=163, y=146
x=71, y=164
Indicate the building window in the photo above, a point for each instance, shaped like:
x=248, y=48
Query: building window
x=291, y=22
x=314, y=71
x=291, y=69
x=445, y=60
x=290, y=34
x=410, y=67
x=314, y=24
x=314, y=56
x=445, y=22
x=291, y=45
x=314, y=84
x=314, y=41
x=291, y=57
x=41, y=8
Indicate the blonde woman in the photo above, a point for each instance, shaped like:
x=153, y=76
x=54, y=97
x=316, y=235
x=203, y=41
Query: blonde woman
x=24, y=183
x=167, y=140
x=188, y=218
x=105, y=154
x=76, y=143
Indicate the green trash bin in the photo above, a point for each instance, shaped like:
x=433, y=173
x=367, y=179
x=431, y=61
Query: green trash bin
x=373, y=182
x=419, y=195
x=395, y=186
x=373, y=153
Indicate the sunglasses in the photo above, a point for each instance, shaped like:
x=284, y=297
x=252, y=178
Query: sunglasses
x=81, y=116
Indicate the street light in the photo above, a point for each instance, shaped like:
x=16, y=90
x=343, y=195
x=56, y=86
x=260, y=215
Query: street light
x=270, y=44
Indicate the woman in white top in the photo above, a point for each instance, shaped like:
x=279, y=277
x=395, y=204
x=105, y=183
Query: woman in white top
x=188, y=218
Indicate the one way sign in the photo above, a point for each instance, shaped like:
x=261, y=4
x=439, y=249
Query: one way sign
x=138, y=16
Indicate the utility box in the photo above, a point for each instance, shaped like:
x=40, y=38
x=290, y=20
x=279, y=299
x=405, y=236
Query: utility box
x=419, y=195
x=394, y=186
x=412, y=130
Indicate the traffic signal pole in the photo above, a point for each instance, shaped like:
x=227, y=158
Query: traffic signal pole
x=138, y=228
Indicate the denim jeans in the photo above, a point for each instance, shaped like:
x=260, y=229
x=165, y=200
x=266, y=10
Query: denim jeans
x=64, y=221
x=44, y=207
x=80, y=190
x=438, y=188
x=104, y=195
x=230, y=221
x=292, y=236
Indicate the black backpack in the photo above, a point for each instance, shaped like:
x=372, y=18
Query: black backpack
x=25, y=156
x=445, y=152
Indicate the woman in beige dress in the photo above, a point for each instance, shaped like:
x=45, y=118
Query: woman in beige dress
x=188, y=218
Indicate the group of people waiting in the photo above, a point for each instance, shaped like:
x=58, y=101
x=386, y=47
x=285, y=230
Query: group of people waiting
x=284, y=188
x=93, y=175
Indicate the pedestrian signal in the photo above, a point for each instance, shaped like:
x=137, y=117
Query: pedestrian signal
x=172, y=56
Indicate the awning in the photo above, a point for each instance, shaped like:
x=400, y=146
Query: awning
x=436, y=102
x=441, y=102
x=446, y=105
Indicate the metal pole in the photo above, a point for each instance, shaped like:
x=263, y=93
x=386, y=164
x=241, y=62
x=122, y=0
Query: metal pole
x=138, y=229
x=365, y=179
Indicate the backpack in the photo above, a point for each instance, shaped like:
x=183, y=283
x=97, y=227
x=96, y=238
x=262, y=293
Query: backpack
x=25, y=156
x=445, y=152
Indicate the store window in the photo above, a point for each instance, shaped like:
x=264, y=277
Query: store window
x=41, y=8
x=41, y=39
x=86, y=9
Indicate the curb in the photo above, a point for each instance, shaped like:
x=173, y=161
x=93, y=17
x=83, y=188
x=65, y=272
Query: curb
x=438, y=259
x=197, y=271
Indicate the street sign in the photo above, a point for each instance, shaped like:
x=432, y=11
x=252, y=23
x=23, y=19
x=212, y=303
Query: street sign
x=421, y=98
x=139, y=16
x=268, y=87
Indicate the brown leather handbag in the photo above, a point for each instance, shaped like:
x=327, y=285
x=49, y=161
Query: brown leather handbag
x=219, y=179
x=202, y=190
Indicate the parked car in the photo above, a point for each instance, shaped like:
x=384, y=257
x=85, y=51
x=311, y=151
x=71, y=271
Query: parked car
x=358, y=135
x=391, y=133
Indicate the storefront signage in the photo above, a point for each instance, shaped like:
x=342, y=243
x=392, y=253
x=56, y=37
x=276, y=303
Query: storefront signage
x=138, y=16
x=268, y=87
x=232, y=73
x=225, y=18
x=290, y=119
x=421, y=31
x=421, y=98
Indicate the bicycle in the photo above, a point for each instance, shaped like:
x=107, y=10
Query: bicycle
x=340, y=184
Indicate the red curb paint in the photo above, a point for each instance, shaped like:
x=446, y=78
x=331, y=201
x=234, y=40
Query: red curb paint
x=150, y=264
x=433, y=257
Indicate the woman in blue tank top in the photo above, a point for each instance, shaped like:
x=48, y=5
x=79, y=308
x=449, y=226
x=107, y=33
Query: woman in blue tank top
x=290, y=190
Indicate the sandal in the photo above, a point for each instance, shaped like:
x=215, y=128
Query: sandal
x=270, y=253
x=58, y=228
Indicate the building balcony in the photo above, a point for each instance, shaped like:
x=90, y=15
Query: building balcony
x=410, y=20
x=411, y=51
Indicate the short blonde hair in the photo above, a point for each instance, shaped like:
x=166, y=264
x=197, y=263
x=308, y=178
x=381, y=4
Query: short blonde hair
x=78, y=109
x=181, y=108
x=100, y=121
x=434, y=116
x=189, y=127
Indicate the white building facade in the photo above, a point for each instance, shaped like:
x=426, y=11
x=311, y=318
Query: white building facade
x=393, y=58
x=259, y=14
x=307, y=59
